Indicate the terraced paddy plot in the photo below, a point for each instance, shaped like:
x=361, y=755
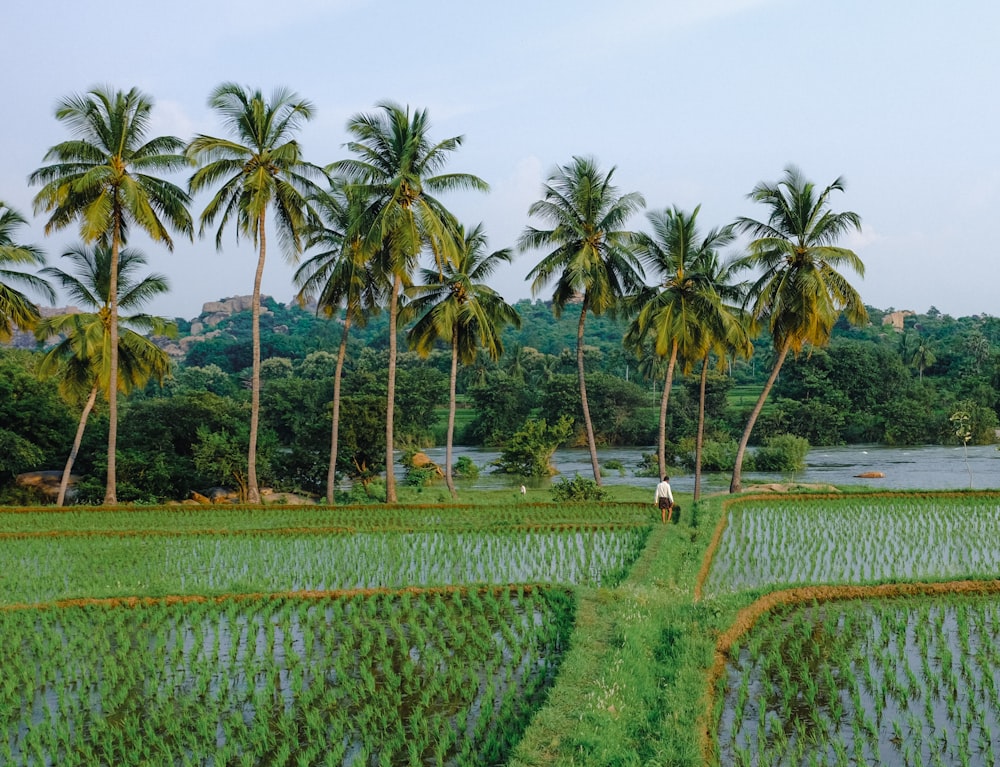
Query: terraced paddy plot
x=232, y=519
x=447, y=677
x=856, y=540
x=898, y=682
x=50, y=568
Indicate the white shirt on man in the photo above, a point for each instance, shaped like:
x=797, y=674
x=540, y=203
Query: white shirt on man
x=663, y=491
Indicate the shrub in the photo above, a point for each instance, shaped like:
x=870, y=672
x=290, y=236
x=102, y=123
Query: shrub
x=648, y=466
x=465, y=467
x=613, y=464
x=529, y=451
x=420, y=477
x=717, y=456
x=578, y=489
x=782, y=452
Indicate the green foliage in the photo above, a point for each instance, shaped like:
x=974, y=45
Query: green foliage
x=648, y=466
x=36, y=428
x=616, y=407
x=529, y=450
x=781, y=452
x=465, y=468
x=614, y=464
x=361, y=455
x=501, y=405
x=420, y=477
x=158, y=439
x=716, y=456
x=577, y=490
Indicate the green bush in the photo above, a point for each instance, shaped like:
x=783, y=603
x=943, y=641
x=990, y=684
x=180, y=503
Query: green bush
x=420, y=477
x=578, y=489
x=465, y=467
x=613, y=464
x=529, y=450
x=717, y=456
x=648, y=466
x=782, y=452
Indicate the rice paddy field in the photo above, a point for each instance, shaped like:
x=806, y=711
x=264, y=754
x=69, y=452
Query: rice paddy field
x=863, y=539
x=368, y=636
x=850, y=629
x=839, y=662
x=896, y=682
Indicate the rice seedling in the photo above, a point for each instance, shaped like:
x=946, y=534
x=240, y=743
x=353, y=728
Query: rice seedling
x=856, y=540
x=155, y=565
x=840, y=698
x=138, y=683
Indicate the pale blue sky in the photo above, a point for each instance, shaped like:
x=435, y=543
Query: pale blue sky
x=694, y=101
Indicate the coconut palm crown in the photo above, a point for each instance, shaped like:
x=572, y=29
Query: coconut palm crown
x=395, y=161
x=107, y=178
x=260, y=167
x=799, y=292
x=16, y=309
x=591, y=257
x=677, y=314
x=456, y=305
x=81, y=356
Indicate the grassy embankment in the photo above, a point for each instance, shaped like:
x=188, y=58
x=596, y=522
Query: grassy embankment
x=633, y=686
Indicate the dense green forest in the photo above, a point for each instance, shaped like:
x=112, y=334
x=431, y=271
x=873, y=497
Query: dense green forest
x=872, y=384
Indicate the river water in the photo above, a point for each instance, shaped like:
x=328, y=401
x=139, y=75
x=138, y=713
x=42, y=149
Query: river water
x=931, y=467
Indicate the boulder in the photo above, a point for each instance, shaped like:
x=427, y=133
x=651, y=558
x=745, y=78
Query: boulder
x=870, y=475
x=46, y=481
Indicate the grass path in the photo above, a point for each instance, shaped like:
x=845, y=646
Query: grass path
x=632, y=689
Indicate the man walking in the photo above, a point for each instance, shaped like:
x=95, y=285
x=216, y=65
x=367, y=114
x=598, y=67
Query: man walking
x=664, y=498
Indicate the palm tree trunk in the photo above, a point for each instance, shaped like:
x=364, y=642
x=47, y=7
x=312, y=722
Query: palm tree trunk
x=699, y=441
x=452, y=385
x=591, y=442
x=736, y=485
x=390, y=472
x=111, y=485
x=253, y=490
x=331, y=476
x=661, y=446
x=64, y=482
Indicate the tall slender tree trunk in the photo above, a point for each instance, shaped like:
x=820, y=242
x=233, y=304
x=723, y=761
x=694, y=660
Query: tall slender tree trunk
x=390, y=409
x=668, y=383
x=737, y=482
x=64, y=482
x=591, y=442
x=331, y=475
x=253, y=489
x=452, y=386
x=111, y=485
x=699, y=441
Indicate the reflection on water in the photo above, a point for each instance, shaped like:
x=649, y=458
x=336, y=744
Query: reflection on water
x=932, y=467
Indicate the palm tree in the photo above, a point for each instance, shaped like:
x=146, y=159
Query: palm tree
x=674, y=315
x=397, y=164
x=922, y=358
x=799, y=293
x=82, y=357
x=344, y=274
x=16, y=309
x=105, y=177
x=260, y=167
x=592, y=259
x=456, y=305
x=727, y=330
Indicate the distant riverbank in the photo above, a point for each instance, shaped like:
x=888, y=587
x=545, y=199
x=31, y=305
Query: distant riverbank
x=930, y=467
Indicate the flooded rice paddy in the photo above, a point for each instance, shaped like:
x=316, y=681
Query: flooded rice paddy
x=897, y=683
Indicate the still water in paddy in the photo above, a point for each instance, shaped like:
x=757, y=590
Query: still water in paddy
x=932, y=467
